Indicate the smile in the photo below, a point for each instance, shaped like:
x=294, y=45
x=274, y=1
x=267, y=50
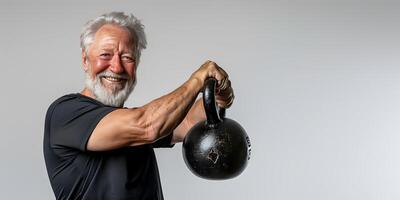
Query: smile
x=114, y=79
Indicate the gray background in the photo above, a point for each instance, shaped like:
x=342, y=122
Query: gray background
x=317, y=88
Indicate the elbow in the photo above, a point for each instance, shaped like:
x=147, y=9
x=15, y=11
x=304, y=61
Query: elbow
x=155, y=125
x=150, y=136
x=152, y=132
x=150, y=126
x=141, y=129
x=139, y=135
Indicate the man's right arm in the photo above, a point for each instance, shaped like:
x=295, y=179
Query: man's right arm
x=155, y=120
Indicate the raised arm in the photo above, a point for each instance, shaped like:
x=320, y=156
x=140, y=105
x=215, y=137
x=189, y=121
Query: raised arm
x=157, y=119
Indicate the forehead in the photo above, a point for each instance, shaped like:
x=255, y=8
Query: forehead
x=113, y=35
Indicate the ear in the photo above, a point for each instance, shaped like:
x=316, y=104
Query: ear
x=85, y=61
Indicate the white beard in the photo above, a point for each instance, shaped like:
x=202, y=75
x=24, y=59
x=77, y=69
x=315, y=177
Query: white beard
x=112, y=97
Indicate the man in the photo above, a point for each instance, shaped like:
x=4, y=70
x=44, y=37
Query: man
x=96, y=149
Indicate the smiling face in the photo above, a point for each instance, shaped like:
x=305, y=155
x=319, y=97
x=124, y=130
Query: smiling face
x=110, y=65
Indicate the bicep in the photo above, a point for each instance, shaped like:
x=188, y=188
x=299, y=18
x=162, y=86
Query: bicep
x=120, y=128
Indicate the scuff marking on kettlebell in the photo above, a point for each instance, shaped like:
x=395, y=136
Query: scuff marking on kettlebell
x=248, y=147
x=213, y=155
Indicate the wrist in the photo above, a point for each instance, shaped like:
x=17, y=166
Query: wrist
x=195, y=83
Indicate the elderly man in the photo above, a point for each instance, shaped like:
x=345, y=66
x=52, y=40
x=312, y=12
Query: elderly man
x=94, y=147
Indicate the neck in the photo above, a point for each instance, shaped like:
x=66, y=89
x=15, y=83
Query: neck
x=88, y=93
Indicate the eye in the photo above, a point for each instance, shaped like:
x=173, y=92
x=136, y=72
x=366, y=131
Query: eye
x=128, y=59
x=105, y=56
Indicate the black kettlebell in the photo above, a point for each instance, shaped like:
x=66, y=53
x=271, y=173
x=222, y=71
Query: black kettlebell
x=217, y=148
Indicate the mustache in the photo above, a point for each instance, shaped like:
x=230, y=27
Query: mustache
x=114, y=75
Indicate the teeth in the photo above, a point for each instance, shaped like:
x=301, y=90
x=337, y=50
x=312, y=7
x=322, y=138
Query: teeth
x=114, y=79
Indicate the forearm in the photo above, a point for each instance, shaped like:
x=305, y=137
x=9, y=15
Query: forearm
x=167, y=112
x=196, y=114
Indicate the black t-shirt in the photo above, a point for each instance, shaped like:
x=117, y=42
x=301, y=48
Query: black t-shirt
x=76, y=173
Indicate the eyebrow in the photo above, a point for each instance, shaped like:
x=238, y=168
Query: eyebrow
x=106, y=48
x=112, y=49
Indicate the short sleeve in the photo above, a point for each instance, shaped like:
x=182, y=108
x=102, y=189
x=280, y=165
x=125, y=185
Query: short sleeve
x=73, y=120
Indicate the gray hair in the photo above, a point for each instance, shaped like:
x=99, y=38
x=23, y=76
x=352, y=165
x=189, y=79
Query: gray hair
x=130, y=22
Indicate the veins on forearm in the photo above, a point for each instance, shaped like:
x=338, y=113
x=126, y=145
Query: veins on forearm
x=168, y=111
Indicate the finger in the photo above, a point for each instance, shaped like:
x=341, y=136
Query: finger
x=226, y=84
x=225, y=104
x=225, y=99
x=223, y=72
x=226, y=90
x=232, y=98
x=222, y=104
x=220, y=74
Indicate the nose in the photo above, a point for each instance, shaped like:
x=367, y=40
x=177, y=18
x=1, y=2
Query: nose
x=116, y=65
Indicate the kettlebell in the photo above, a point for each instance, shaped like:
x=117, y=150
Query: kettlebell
x=217, y=148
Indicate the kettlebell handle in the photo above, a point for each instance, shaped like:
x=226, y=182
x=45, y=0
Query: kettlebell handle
x=213, y=112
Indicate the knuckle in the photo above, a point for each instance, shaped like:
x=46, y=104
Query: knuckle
x=212, y=63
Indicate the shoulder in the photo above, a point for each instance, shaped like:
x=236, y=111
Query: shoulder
x=74, y=101
x=66, y=99
x=71, y=105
